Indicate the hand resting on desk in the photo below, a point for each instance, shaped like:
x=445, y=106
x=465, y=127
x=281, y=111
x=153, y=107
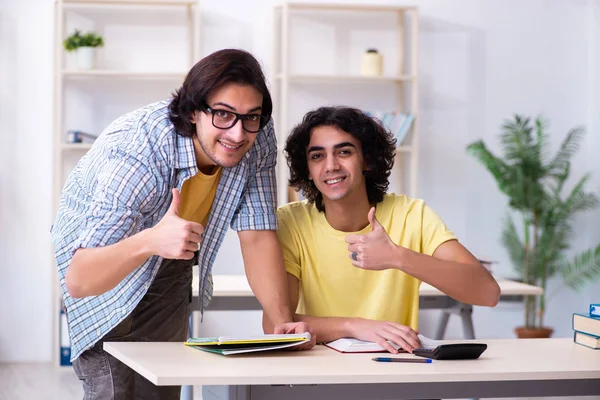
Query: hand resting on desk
x=381, y=332
x=297, y=327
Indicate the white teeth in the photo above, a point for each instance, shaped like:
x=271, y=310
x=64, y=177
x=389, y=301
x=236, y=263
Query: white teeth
x=331, y=182
x=229, y=146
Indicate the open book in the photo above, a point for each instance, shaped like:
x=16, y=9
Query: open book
x=350, y=345
x=228, y=345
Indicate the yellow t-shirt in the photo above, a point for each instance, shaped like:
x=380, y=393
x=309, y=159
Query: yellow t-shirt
x=330, y=286
x=197, y=196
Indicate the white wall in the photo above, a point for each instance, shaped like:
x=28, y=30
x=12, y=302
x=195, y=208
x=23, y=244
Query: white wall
x=480, y=62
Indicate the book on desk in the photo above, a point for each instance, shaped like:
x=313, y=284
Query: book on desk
x=586, y=328
x=230, y=345
x=351, y=345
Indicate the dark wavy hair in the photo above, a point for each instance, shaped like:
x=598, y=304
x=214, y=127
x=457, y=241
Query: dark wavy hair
x=210, y=73
x=378, y=148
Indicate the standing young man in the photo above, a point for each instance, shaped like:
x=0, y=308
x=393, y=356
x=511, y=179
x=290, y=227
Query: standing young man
x=356, y=256
x=154, y=196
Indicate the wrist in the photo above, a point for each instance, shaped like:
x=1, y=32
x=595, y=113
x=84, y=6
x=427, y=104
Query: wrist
x=399, y=257
x=348, y=327
x=146, y=243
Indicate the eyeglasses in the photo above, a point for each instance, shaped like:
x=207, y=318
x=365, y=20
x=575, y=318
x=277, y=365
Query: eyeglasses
x=223, y=119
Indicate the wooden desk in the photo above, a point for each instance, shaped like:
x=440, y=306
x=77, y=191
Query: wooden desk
x=508, y=368
x=233, y=293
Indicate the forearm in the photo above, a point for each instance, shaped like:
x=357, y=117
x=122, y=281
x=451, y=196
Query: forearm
x=266, y=275
x=94, y=271
x=327, y=329
x=466, y=282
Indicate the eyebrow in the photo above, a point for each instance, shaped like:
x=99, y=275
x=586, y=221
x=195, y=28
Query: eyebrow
x=219, y=103
x=337, y=146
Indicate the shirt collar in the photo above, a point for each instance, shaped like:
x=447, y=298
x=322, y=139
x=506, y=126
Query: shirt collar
x=185, y=155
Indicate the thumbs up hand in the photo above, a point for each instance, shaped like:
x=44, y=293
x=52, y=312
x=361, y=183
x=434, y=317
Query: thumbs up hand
x=374, y=250
x=173, y=237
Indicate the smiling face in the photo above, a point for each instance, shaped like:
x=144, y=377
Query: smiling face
x=225, y=147
x=336, y=164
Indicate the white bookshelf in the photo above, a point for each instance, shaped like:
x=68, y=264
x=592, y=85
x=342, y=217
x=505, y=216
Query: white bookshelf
x=291, y=85
x=132, y=71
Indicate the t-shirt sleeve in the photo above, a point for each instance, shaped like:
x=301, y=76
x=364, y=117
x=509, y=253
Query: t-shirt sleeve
x=289, y=243
x=434, y=231
x=124, y=187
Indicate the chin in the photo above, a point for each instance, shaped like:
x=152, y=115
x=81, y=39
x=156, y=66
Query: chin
x=226, y=162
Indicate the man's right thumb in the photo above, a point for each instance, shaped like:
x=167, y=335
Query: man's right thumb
x=174, y=208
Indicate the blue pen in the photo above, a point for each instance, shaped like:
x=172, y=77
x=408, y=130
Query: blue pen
x=403, y=360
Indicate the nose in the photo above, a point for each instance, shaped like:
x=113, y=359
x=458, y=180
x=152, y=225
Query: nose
x=331, y=164
x=236, y=132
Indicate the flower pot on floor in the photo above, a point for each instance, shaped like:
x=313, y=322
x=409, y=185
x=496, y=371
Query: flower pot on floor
x=533, y=333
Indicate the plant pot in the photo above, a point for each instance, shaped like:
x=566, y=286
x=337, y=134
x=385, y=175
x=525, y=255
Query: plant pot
x=533, y=333
x=85, y=58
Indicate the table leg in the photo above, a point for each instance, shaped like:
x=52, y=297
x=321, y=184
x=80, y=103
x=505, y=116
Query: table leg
x=466, y=315
x=187, y=392
x=442, y=324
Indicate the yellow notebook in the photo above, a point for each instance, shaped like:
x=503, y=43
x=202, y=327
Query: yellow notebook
x=229, y=345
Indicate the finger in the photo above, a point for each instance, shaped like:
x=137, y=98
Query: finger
x=353, y=247
x=401, y=340
x=409, y=335
x=194, y=238
x=375, y=225
x=281, y=329
x=174, y=207
x=352, y=238
x=191, y=246
x=186, y=255
x=196, y=228
x=386, y=345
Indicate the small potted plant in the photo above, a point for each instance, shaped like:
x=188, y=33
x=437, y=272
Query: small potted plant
x=84, y=47
x=539, y=238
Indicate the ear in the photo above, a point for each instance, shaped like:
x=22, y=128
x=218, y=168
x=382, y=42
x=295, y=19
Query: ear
x=194, y=117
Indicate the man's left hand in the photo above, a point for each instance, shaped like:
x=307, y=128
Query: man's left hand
x=297, y=327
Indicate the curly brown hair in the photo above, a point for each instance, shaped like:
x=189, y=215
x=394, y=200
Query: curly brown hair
x=378, y=148
x=209, y=74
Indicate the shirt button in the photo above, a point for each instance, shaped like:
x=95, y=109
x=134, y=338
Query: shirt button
x=98, y=332
x=123, y=311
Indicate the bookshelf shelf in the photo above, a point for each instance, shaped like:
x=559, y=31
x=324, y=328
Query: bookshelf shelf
x=330, y=78
x=150, y=75
x=76, y=146
x=71, y=4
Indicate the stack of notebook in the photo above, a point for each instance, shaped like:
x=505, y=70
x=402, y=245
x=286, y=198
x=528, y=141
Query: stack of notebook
x=586, y=327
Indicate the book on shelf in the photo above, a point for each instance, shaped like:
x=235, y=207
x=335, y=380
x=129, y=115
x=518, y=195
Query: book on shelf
x=229, y=345
x=595, y=310
x=397, y=122
x=584, y=339
x=586, y=323
x=351, y=345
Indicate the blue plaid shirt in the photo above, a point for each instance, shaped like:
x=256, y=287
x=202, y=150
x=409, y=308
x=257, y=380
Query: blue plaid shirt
x=123, y=186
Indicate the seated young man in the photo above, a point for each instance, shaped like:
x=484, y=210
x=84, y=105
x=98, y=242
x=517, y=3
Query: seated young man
x=355, y=256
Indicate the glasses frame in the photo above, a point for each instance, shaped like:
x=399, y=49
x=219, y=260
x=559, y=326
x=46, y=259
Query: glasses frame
x=238, y=117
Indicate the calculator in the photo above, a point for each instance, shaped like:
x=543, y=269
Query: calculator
x=458, y=351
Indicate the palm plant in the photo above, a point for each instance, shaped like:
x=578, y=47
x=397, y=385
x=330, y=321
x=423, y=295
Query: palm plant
x=535, y=185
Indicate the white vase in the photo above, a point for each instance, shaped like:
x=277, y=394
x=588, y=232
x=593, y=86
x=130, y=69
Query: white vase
x=85, y=58
x=372, y=63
